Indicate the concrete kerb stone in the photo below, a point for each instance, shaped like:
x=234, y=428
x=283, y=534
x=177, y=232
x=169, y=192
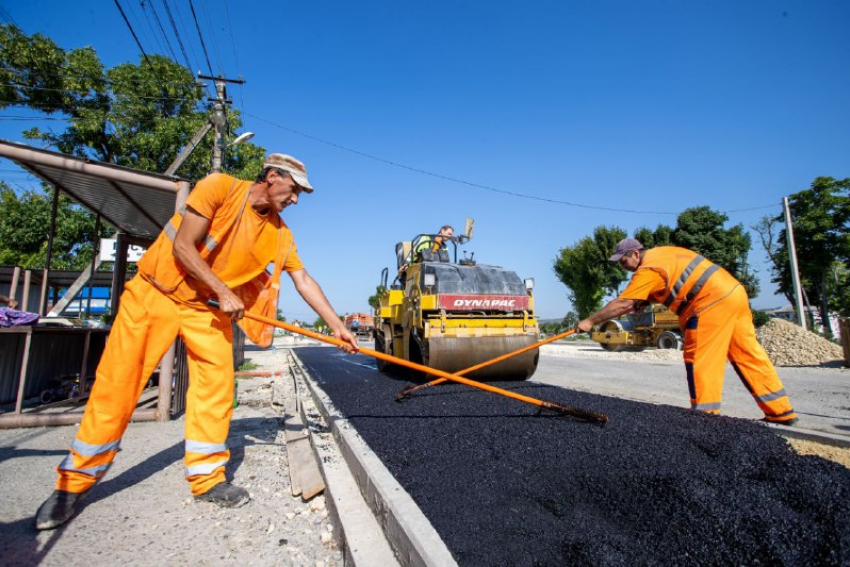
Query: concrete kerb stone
x=360, y=537
x=408, y=530
x=811, y=435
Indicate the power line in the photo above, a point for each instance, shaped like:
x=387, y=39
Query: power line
x=8, y=18
x=235, y=56
x=195, y=67
x=200, y=36
x=479, y=185
x=23, y=118
x=176, y=34
x=460, y=181
x=139, y=97
x=104, y=80
x=142, y=49
x=161, y=29
x=214, y=41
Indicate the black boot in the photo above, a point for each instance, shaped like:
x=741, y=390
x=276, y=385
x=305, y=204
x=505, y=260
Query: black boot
x=226, y=495
x=57, y=509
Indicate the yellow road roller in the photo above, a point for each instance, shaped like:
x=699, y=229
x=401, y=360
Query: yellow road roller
x=450, y=315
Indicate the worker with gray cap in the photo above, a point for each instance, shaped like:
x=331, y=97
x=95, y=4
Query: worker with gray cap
x=715, y=317
x=217, y=249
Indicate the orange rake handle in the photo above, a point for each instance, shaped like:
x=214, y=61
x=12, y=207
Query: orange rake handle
x=410, y=389
x=558, y=408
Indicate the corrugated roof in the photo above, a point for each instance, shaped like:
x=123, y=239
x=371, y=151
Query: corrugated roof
x=138, y=203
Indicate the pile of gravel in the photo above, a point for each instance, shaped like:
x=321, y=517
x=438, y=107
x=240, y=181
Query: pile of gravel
x=787, y=344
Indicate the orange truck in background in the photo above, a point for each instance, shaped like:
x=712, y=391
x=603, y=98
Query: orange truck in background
x=359, y=324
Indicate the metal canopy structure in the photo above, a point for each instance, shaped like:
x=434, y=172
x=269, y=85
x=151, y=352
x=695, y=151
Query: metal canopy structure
x=137, y=203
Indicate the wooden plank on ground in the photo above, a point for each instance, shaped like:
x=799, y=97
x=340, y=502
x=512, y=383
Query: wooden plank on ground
x=304, y=475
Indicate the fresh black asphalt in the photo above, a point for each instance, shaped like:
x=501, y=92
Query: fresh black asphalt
x=505, y=485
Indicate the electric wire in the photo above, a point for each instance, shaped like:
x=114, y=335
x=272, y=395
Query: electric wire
x=8, y=17
x=135, y=37
x=161, y=29
x=177, y=34
x=200, y=36
x=214, y=41
x=146, y=14
x=195, y=66
x=106, y=81
x=235, y=56
x=137, y=97
x=479, y=185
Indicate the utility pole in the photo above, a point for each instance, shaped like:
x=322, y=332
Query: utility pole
x=219, y=119
x=792, y=255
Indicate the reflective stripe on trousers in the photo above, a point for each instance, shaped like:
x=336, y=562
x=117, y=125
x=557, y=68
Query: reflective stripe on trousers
x=725, y=331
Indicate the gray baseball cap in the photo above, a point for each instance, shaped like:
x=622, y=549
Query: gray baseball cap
x=625, y=246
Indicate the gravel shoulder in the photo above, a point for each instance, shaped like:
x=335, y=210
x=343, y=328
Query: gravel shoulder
x=142, y=512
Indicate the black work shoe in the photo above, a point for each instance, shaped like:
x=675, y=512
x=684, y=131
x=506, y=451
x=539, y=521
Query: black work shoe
x=787, y=422
x=226, y=495
x=57, y=509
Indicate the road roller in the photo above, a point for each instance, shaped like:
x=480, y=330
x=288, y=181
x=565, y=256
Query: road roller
x=450, y=315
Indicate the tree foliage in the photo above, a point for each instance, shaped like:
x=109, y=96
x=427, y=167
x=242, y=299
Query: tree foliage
x=24, y=228
x=821, y=218
x=584, y=268
x=374, y=300
x=134, y=115
x=701, y=229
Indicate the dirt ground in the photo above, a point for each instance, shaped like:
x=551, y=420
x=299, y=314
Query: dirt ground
x=142, y=512
x=840, y=455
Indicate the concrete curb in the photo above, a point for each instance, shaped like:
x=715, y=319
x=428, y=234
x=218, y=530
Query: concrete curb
x=408, y=531
x=811, y=435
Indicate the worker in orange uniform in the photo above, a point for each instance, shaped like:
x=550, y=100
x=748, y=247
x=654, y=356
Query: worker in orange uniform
x=219, y=246
x=714, y=314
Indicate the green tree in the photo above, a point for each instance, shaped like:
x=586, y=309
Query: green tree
x=821, y=219
x=374, y=300
x=584, y=268
x=133, y=115
x=661, y=236
x=701, y=229
x=25, y=225
x=139, y=116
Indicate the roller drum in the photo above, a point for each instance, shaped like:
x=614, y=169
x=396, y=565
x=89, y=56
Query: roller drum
x=452, y=354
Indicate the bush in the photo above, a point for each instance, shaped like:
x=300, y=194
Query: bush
x=760, y=318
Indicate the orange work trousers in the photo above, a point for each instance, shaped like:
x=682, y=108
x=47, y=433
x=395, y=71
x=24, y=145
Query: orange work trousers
x=147, y=324
x=725, y=331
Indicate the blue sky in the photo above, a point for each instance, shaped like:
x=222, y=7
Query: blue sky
x=412, y=115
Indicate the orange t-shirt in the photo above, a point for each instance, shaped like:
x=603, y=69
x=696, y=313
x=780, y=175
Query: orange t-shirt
x=247, y=249
x=643, y=284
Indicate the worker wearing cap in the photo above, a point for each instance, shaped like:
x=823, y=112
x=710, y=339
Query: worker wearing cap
x=714, y=314
x=228, y=234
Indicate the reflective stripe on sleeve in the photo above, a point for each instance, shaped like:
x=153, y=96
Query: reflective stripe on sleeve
x=87, y=450
x=204, y=448
x=204, y=468
x=171, y=233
